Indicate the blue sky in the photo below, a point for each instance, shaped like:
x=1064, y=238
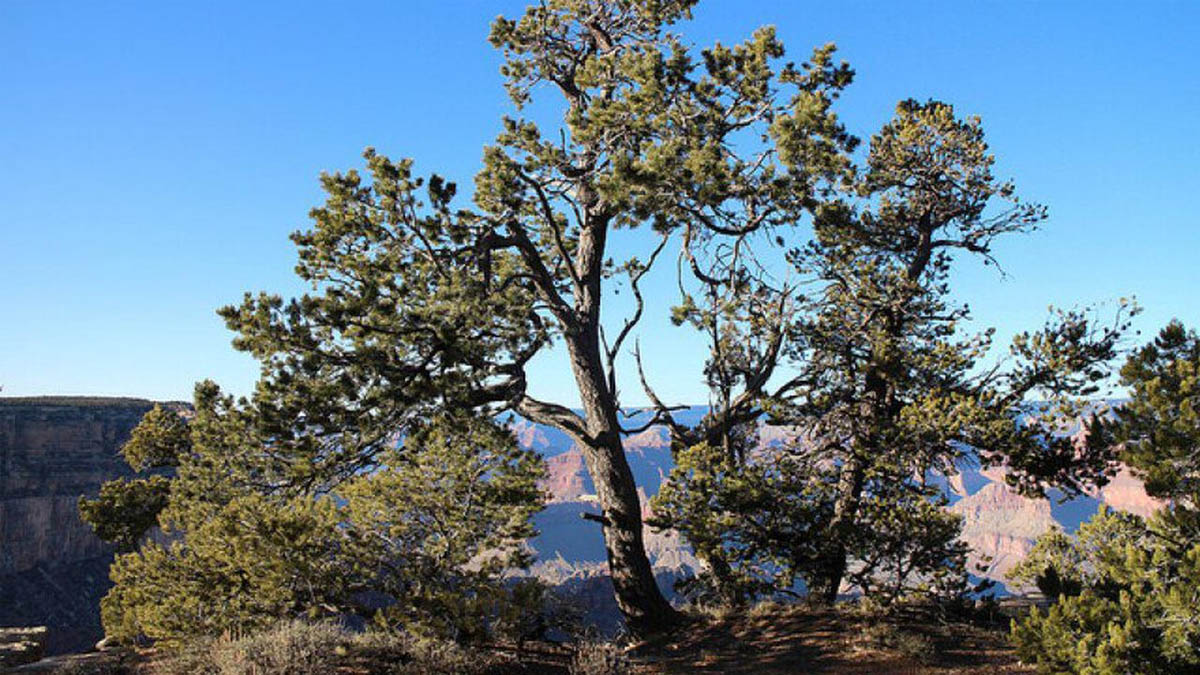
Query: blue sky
x=155, y=155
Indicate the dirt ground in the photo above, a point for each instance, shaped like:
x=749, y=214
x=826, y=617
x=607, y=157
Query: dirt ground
x=799, y=639
x=762, y=640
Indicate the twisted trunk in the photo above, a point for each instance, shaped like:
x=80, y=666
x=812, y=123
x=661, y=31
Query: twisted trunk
x=643, y=606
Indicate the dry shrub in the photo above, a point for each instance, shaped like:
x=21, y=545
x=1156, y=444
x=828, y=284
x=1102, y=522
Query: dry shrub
x=887, y=637
x=288, y=648
x=300, y=648
x=599, y=658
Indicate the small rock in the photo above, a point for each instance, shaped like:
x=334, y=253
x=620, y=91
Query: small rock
x=19, y=646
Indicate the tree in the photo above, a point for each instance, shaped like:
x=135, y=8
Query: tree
x=1160, y=425
x=126, y=509
x=888, y=390
x=1135, y=606
x=420, y=541
x=1131, y=606
x=419, y=308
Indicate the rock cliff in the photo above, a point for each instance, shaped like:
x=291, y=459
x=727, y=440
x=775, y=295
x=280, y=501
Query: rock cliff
x=52, y=566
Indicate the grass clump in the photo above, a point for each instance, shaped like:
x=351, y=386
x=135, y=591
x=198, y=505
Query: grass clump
x=299, y=648
x=599, y=658
x=288, y=648
x=888, y=637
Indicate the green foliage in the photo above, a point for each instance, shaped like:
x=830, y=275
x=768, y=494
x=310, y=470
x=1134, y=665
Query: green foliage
x=1137, y=611
x=1160, y=425
x=755, y=526
x=888, y=387
x=1139, y=608
x=908, y=545
x=429, y=531
x=419, y=308
x=443, y=521
x=158, y=441
x=758, y=527
x=125, y=510
x=1053, y=565
x=248, y=565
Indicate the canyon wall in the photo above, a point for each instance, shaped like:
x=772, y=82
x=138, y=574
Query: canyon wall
x=53, y=568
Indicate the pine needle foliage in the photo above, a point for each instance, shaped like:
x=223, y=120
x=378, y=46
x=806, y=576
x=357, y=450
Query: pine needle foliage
x=1127, y=589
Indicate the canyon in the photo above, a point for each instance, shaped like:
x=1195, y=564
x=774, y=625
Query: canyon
x=53, y=568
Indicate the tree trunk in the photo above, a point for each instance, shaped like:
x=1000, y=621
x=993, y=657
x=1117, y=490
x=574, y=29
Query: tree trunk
x=850, y=486
x=643, y=606
x=645, y=609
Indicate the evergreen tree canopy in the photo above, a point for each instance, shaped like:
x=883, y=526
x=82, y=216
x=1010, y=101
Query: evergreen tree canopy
x=1160, y=425
x=888, y=390
x=1132, y=601
x=420, y=541
x=421, y=308
x=418, y=307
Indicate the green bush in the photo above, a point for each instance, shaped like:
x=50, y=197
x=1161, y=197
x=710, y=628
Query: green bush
x=431, y=529
x=1137, y=611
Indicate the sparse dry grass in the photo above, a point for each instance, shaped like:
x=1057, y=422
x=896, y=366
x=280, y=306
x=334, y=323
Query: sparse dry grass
x=798, y=638
x=762, y=639
x=599, y=658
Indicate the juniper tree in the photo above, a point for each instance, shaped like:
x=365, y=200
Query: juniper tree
x=891, y=385
x=418, y=307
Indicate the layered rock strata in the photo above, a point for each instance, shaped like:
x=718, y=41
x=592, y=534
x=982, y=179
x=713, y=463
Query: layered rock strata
x=53, y=568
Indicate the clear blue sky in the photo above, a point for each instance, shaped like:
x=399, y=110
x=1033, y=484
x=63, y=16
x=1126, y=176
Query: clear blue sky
x=155, y=155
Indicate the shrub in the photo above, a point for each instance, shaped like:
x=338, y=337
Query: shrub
x=892, y=638
x=299, y=648
x=1136, y=611
x=599, y=658
x=431, y=529
x=288, y=648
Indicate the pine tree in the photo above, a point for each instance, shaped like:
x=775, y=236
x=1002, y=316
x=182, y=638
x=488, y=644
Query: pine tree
x=420, y=308
x=428, y=531
x=889, y=389
x=1133, y=606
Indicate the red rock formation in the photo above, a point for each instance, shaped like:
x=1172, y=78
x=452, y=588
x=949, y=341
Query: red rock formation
x=567, y=477
x=1127, y=493
x=1001, y=524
